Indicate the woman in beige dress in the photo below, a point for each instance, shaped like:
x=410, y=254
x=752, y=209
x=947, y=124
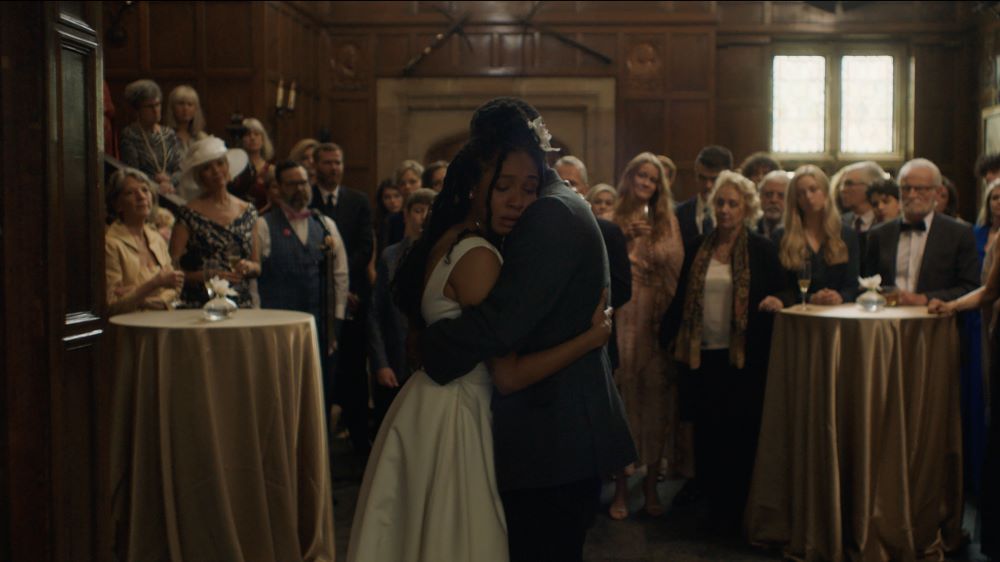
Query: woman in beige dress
x=645, y=213
x=138, y=269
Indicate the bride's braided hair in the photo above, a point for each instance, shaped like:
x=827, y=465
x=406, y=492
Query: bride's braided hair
x=498, y=128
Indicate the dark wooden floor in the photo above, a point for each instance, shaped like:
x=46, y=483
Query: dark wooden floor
x=675, y=537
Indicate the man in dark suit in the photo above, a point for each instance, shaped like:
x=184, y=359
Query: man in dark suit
x=925, y=254
x=693, y=215
x=554, y=440
x=574, y=172
x=352, y=212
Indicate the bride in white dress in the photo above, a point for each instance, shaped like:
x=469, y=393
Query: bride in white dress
x=429, y=492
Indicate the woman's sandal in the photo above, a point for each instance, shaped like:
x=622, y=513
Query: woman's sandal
x=618, y=513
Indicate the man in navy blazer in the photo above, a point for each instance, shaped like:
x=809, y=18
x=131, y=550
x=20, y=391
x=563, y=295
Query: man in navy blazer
x=925, y=254
x=694, y=215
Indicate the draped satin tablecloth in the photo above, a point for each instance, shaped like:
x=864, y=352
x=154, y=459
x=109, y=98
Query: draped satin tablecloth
x=219, y=447
x=860, y=452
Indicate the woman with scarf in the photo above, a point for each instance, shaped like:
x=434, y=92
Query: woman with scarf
x=718, y=328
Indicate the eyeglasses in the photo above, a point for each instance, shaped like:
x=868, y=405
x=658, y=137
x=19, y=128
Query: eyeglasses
x=918, y=188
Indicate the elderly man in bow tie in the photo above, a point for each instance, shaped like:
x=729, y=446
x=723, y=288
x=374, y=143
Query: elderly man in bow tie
x=925, y=254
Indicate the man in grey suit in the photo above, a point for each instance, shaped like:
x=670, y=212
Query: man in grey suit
x=924, y=253
x=554, y=440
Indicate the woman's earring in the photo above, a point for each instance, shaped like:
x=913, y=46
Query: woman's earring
x=472, y=195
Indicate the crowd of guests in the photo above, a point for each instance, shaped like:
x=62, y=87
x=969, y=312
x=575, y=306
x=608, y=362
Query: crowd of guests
x=694, y=283
x=708, y=273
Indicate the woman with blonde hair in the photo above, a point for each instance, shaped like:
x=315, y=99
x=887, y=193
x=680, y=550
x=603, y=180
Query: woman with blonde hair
x=408, y=176
x=184, y=116
x=718, y=328
x=656, y=251
x=814, y=234
x=252, y=184
x=602, y=198
x=302, y=153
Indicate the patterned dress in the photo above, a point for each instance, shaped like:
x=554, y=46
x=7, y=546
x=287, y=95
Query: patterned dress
x=644, y=377
x=151, y=152
x=209, y=240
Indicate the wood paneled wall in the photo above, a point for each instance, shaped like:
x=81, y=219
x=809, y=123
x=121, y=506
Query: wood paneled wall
x=687, y=73
x=938, y=47
x=234, y=54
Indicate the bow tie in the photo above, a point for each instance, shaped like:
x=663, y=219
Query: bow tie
x=292, y=214
x=912, y=227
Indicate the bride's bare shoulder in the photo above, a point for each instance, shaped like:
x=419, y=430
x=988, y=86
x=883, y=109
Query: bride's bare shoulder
x=474, y=275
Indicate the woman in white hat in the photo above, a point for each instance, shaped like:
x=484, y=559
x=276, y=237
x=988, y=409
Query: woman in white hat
x=215, y=231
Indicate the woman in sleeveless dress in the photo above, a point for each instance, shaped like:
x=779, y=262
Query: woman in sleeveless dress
x=429, y=492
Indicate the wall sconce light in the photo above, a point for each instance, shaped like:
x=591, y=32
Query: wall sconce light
x=281, y=105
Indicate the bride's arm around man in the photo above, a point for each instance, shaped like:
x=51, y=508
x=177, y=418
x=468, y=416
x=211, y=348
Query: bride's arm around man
x=554, y=439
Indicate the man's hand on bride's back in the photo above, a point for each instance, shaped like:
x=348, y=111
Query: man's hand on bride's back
x=600, y=326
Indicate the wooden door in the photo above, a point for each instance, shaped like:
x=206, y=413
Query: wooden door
x=52, y=289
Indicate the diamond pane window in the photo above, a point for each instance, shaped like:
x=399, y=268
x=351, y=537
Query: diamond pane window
x=799, y=104
x=866, y=86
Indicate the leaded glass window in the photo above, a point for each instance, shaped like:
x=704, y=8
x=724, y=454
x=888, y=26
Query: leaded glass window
x=799, y=104
x=866, y=115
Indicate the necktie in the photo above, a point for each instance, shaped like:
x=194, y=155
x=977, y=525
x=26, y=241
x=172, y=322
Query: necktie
x=859, y=223
x=912, y=227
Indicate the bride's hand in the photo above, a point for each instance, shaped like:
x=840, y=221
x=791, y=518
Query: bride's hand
x=600, y=322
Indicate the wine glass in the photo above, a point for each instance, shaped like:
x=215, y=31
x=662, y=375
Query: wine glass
x=233, y=256
x=805, y=279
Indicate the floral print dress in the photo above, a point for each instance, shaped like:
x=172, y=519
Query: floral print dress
x=209, y=240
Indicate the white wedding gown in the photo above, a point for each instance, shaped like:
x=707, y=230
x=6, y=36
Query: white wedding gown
x=429, y=493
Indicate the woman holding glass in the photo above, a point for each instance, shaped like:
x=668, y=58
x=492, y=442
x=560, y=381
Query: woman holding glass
x=215, y=232
x=137, y=264
x=655, y=249
x=820, y=253
x=719, y=330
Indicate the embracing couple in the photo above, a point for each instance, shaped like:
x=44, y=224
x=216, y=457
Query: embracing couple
x=495, y=451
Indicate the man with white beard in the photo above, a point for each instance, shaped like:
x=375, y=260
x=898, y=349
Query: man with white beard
x=772, y=189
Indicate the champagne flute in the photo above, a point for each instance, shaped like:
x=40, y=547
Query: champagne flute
x=805, y=279
x=233, y=256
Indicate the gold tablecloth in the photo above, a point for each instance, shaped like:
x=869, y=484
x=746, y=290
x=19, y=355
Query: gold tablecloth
x=860, y=454
x=219, y=448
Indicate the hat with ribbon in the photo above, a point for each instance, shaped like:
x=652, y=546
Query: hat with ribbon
x=205, y=151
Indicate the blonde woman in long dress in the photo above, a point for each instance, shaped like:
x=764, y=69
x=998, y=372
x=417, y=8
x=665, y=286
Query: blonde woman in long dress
x=645, y=378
